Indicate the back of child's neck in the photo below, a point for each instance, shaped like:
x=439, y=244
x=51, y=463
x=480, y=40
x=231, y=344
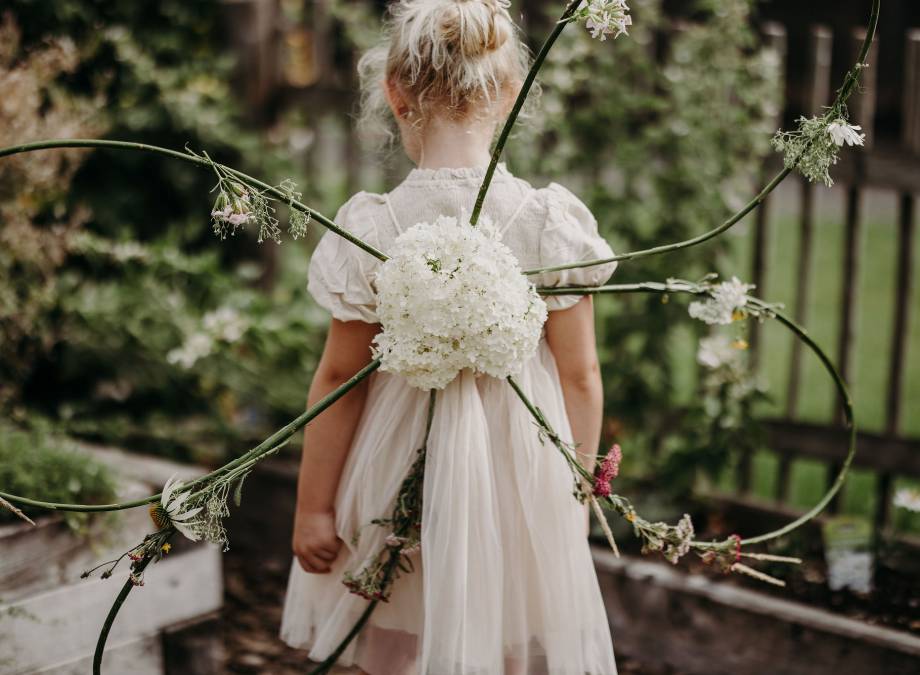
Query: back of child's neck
x=455, y=145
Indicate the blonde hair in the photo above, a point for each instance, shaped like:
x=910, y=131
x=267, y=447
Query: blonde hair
x=446, y=55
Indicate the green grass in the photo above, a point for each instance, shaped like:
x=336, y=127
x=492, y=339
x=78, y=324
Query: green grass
x=875, y=298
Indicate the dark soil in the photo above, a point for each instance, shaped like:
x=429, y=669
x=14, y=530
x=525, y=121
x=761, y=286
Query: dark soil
x=254, y=592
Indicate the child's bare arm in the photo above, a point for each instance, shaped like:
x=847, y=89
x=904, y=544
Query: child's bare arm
x=327, y=440
x=570, y=335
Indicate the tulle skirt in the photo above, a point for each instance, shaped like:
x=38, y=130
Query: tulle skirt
x=504, y=582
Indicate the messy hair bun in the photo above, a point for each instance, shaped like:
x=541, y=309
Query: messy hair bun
x=446, y=55
x=475, y=27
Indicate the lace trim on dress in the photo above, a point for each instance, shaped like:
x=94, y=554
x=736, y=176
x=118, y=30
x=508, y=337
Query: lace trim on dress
x=453, y=172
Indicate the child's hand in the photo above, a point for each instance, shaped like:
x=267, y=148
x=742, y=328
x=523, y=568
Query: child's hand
x=315, y=542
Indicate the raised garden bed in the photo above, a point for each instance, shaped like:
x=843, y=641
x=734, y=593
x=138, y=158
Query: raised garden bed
x=700, y=624
x=50, y=618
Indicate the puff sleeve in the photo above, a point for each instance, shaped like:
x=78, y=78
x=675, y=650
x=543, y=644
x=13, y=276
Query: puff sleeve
x=570, y=235
x=340, y=274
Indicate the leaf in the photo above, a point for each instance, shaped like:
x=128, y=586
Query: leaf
x=238, y=492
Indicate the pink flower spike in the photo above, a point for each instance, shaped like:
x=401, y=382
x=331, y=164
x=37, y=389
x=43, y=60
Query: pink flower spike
x=608, y=469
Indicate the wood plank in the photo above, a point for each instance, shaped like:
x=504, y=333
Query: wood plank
x=647, y=599
x=862, y=103
x=875, y=451
x=775, y=39
x=803, y=274
x=911, y=104
x=818, y=83
x=62, y=625
x=138, y=656
x=903, y=290
x=817, y=93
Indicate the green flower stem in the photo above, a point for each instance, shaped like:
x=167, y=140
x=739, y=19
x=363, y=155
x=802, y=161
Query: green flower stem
x=270, y=444
x=800, y=333
x=846, y=89
x=538, y=416
x=113, y=612
x=201, y=161
x=665, y=248
x=518, y=104
x=392, y=563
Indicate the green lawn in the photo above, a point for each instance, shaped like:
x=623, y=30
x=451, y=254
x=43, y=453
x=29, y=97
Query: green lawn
x=874, y=324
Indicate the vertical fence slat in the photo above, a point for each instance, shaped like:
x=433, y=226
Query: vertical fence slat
x=818, y=90
x=803, y=275
x=862, y=103
x=910, y=134
x=911, y=125
x=847, y=329
x=776, y=40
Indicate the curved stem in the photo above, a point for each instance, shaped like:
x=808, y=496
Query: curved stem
x=143, y=147
x=799, y=332
x=518, y=104
x=846, y=89
x=266, y=446
x=665, y=248
x=113, y=612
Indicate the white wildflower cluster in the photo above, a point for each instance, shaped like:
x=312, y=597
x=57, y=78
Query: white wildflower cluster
x=606, y=17
x=907, y=498
x=450, y=297
x=238, y=205
x=725, y=304
x=719, y=350
x=813, y=148
x=231, y=211
x=221, y=325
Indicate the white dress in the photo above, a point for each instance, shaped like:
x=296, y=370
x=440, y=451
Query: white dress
x=504, y=583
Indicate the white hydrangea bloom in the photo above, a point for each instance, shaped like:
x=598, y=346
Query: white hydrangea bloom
x=843, y=132
x=450, y=297
x=726, y=297
x=907, y=498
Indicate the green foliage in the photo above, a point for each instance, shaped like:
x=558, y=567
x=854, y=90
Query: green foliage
x=662, y=134
x=49, y=468
x=111, y=279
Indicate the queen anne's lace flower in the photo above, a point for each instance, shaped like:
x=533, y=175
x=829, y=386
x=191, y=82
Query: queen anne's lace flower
x=450, y=297
x=726, y=298
x=607, y=17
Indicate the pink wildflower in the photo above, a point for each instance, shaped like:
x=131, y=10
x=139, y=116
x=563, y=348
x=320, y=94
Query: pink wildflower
x=608, y=469
x=737, y=538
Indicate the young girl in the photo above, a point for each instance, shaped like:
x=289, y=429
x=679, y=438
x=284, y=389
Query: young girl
x=503, y=582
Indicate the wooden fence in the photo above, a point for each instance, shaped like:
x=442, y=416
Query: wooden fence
x=894, y=168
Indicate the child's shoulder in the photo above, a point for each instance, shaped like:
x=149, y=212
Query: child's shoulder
x=557, y=206
x=554, y=201
x=359, y=201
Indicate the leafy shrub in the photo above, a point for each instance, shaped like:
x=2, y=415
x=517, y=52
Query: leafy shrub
x=34, y=464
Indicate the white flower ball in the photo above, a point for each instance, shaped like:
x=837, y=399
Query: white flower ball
x=452, y=296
